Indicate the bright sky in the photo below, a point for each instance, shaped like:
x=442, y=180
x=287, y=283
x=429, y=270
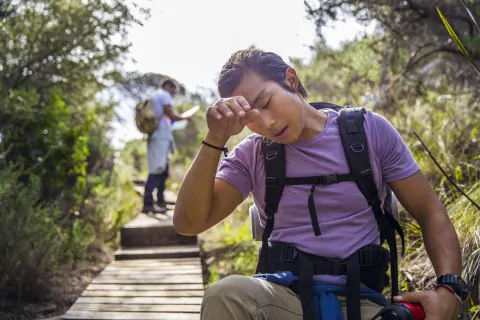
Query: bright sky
x=190, y=40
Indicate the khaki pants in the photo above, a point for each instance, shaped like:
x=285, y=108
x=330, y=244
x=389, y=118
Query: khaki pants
x=247, y=298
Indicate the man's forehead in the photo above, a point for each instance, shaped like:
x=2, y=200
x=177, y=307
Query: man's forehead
x=251, y=87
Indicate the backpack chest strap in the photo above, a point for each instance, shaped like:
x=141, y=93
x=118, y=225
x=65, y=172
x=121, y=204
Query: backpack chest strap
x=312, y=181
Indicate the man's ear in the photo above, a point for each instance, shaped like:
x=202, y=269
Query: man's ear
x=291, y=79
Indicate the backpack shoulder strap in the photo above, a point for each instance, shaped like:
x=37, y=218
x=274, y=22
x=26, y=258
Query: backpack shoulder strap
x=275, y=168
x=355, y=144
x=354, y=140
x=274, y=161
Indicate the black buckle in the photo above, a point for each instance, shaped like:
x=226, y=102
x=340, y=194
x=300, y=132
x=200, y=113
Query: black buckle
x=288, y=253
x=331, y=179
x=366, y=174
x=326, y=180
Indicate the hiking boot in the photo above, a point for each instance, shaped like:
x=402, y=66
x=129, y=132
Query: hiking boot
x=154, y=209
x=162, y=206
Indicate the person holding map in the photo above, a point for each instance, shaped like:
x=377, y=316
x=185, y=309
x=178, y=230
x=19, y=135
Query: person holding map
x=160, y=144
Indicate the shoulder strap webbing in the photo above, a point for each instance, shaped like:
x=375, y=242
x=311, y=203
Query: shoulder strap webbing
x=274, y=160
x=355, y=144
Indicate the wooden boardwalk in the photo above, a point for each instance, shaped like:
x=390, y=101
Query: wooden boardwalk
x=157, y=274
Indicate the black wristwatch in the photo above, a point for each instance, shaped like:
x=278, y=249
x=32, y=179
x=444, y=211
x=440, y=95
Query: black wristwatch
x=456, y=283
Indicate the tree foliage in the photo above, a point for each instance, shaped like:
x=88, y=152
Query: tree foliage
x=56, y=56
x=414, y=51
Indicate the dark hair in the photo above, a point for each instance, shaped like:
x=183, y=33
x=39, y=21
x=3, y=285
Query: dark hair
x=268, y=65
x=168, y=82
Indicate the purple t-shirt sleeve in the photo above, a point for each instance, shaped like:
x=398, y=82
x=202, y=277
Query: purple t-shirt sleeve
x=396, y=160
x=237, y=167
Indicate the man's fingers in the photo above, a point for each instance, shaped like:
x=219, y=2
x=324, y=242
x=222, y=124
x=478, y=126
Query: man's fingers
x=250, y=116
x=223, y=109
x=243, y=103
x=212, y=111
x=410, y=297
x=236, y=107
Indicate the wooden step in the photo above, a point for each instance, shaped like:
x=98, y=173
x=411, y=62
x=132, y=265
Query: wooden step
x=139, y=187
x=105, y=315
x=143, y=289
x=182, y=251
x=169, y=287
x=137, y=307
x=148, y=230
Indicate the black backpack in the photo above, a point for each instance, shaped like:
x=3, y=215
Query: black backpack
x=355, y=146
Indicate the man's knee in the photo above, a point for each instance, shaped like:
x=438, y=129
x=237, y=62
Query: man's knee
x=229, y=298
x=229, y=286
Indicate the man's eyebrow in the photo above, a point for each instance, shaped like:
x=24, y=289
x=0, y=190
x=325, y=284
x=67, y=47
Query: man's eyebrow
x=258, y=97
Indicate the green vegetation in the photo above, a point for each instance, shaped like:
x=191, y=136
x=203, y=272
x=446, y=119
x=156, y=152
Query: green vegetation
x=61, y=191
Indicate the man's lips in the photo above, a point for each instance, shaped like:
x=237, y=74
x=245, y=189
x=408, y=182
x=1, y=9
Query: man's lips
x=280, y=133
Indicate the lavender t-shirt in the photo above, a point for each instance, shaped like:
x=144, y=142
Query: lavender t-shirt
x=346, y=221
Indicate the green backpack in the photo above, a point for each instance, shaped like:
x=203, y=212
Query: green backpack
x=145, y=117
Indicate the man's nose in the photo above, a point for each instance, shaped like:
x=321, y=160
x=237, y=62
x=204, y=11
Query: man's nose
x=267, y=120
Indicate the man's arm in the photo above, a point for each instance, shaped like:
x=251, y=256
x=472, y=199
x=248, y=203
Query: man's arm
x=441, y=243
x=168, y=109
x=439, y=235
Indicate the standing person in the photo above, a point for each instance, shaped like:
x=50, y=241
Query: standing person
x=160, y=144
x=324, y=219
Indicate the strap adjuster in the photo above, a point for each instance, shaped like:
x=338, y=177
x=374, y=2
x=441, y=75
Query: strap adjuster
x=271, y=180
x=366, y=174
x=288, y=253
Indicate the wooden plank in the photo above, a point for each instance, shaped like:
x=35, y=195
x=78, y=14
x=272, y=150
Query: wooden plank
x=157, y=262
x=153, y=230
x=166, y=269
x=143, y=220
x=191, y=278
x=163, y=249
x=183, y=251
x=94, y=315
x=135, y=275
x=172, y=266
x=140, y=300
x=143, y=293
x=145, y=287
x=148, y=273
x=136, y=308
x=169, y=280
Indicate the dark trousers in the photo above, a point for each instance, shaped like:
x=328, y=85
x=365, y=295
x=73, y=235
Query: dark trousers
x=155, y=181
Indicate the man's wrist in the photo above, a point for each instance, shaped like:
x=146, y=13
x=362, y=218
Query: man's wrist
x=447, y=290
x=215, y=140
x=455, y=283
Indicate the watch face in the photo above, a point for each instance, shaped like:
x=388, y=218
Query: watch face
x=457, y=283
